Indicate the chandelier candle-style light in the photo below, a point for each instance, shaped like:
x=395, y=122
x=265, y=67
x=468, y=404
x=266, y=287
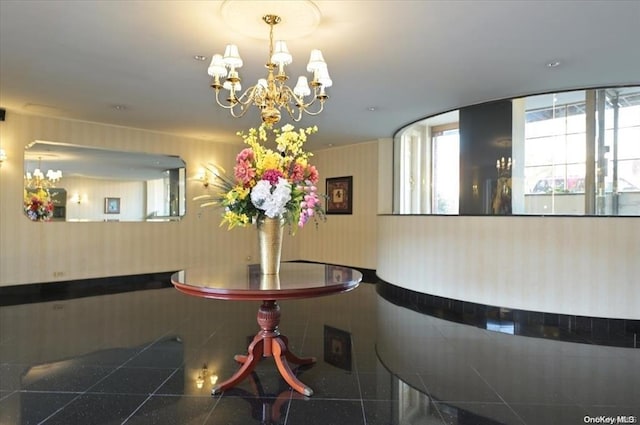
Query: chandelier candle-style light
x=271, y=95
x=38, y=180
x=503, y=167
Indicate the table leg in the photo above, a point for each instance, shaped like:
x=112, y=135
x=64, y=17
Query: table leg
x=279, y=355
x=256, y=350
x=268, y=343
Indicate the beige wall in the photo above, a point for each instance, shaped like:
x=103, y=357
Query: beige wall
x=347, y=239
x=572, y=265
x=46, y=252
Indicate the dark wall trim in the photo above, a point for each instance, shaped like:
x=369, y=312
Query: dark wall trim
x=55, y=291
x=561, y=327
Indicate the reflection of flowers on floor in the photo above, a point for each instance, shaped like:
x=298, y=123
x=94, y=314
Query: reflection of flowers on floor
x=38, y=205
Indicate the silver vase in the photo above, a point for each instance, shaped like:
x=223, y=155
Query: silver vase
x=270, y=243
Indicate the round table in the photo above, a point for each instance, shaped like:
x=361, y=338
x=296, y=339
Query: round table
x=295, y=281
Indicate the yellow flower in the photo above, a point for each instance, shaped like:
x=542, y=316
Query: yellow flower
x=233, y=219
x=242, y=192
x=270, y=161
x=230, y=197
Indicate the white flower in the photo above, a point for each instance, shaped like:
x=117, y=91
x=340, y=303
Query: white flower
x=271, y=199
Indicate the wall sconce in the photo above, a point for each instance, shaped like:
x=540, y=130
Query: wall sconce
x=210, y=174
x=201, y=176
x=204, y=375
x=77, y=199
x=3, y=156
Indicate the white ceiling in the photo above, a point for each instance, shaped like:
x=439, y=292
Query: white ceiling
x=408, y=59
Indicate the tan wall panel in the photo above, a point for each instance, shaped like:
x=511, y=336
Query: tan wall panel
x=347, y=239
x=572, y=265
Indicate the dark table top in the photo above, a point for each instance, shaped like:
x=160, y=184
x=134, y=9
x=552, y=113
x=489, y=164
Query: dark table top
x=245, y=282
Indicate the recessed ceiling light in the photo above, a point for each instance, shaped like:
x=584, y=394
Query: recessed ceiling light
x=119, y=107
x=372, y=108
x=553, y=64
x=200, y=58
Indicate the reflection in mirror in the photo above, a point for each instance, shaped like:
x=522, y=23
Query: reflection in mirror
x=66, y=182
x=569, y=153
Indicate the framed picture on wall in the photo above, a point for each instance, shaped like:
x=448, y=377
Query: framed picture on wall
x=112, y=205
x=340, y=195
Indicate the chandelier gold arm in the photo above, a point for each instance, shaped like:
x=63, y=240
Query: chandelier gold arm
x=270, y=95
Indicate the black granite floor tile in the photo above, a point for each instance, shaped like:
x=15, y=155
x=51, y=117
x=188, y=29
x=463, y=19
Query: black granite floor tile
x=331, y=384
x=539, y=390
x=326, y=412
x=127, y=380
x=173, y=410
x=28, y=408
x=545, y=414
x=593, y=390
x=377, y=386
x=455, y=387
x=478, y=414
x=108, y=357
x=103, y=409
x=238, y=411
x=63, y=376
x=11, y=376
x=395, y=413
x=165, y=354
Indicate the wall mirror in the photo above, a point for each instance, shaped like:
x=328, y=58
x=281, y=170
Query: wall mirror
x=565, y=153
x=72, y=183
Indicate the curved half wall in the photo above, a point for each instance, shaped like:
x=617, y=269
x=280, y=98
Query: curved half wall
x=586, y=266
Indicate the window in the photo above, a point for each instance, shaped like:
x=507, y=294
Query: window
x=428, y=167
x=574, y=153
x=446, y=171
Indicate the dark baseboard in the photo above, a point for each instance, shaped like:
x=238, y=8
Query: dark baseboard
x=64, y=290
x=561, y=327
x=55, y=291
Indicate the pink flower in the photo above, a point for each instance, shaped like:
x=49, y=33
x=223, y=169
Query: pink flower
x=297, y=174
x=312, y=173
x=245, y=155
x=243, y=172
x=272, y=176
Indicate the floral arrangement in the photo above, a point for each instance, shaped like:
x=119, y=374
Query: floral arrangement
x=267, y=182
x=38, y=204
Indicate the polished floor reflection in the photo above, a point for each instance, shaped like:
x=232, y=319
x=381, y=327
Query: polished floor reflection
x=149, y=357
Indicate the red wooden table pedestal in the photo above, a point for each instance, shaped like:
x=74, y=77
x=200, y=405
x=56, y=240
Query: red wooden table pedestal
x=268, y=342
x=237, y=282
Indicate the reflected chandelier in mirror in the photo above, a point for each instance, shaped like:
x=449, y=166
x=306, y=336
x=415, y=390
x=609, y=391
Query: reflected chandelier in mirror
x=80, y=180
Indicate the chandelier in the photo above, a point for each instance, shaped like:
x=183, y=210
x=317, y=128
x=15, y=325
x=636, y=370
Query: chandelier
x=271, y=94
x=503, y=167
x=39, y=180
